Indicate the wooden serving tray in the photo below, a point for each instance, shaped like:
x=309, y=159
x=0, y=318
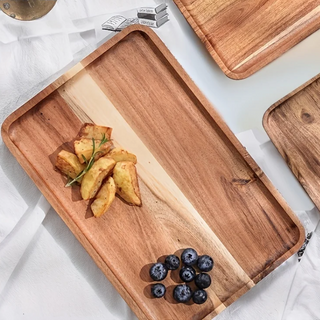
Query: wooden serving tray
x=199, y=186
x=293, y=125
x=243, y=36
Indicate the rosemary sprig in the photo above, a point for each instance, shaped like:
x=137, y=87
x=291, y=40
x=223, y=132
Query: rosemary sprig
x=89, y=162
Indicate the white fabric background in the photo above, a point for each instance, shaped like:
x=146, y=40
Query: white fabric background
x=44, y=271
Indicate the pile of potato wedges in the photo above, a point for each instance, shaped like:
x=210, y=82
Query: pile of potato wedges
x=113, y=170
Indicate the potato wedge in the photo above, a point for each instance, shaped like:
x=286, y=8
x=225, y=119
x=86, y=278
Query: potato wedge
x=84, y=147
x=104, y=198
x=119, y=154
x=126, y=180
x=90, y=130
x=92, y=180
x=69, y=164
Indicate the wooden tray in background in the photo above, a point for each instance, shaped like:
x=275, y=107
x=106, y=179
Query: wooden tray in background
x=244, y=36
x=199, y=186
x=293, y=125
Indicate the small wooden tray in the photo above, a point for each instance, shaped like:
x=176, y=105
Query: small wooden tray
x=199, y=186
x=293, y=125
x=244, y=36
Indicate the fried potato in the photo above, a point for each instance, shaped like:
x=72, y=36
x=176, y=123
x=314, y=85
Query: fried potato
x=90, y=130
x=126, y=180
x=92, y=180
x=69, y=164
x=104, y=198
x=84, y=147
x=119, y=154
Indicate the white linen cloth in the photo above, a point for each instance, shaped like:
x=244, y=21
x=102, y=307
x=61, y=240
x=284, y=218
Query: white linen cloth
x=44, y=272
x=303, y=300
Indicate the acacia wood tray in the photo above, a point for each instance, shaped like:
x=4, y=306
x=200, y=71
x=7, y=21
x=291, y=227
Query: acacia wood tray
x=243, y=36
x=199, y=186
x=293, y=125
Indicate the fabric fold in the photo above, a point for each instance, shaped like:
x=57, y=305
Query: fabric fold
x=15, y=244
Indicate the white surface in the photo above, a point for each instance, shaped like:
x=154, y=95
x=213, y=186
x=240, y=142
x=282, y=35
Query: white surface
x=47, y=274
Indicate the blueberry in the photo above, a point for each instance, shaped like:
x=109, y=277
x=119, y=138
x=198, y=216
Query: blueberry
x=199, y=296
x=189, y=257
x=172, y=262
x=158, y=271
x=182, y=293
x=205, y=263
x=158, y=290
x=202, y=280
x=187, y=274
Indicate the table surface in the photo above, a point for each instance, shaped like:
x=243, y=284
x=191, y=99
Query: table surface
x=53, y=277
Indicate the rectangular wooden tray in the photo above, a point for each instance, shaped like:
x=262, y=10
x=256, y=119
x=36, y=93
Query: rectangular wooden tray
x=244, y=36
x=293, y=125
x=199, y=186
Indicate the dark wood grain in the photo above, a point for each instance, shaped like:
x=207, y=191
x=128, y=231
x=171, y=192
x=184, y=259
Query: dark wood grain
x=199, y=187
x=293, y=125
x=245, y=35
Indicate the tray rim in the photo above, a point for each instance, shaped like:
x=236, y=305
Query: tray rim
x=55, y=203
x=271, y=109
x=285, y=98
x=256, y=66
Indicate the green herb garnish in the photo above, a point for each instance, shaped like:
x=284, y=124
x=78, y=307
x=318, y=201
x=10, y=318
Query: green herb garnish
x=89, y=162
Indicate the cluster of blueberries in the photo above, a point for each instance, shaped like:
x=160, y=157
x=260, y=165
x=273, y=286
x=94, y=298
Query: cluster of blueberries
x=183, y=292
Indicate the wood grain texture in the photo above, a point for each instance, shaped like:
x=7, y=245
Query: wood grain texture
x=293, y=125
x=199, y=187
x=245, y=35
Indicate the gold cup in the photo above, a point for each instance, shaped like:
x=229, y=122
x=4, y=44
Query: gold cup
x=26, y=10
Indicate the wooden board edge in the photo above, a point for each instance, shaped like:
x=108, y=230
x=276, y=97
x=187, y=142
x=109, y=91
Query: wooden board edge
x=115, y=39
x=287, y=255
x=195, y=27
x=64, y=78
x=214, y=54
x=269, y=111
x=265, y=123
x=229, y=73
x=279, y=48
x=5, y=127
